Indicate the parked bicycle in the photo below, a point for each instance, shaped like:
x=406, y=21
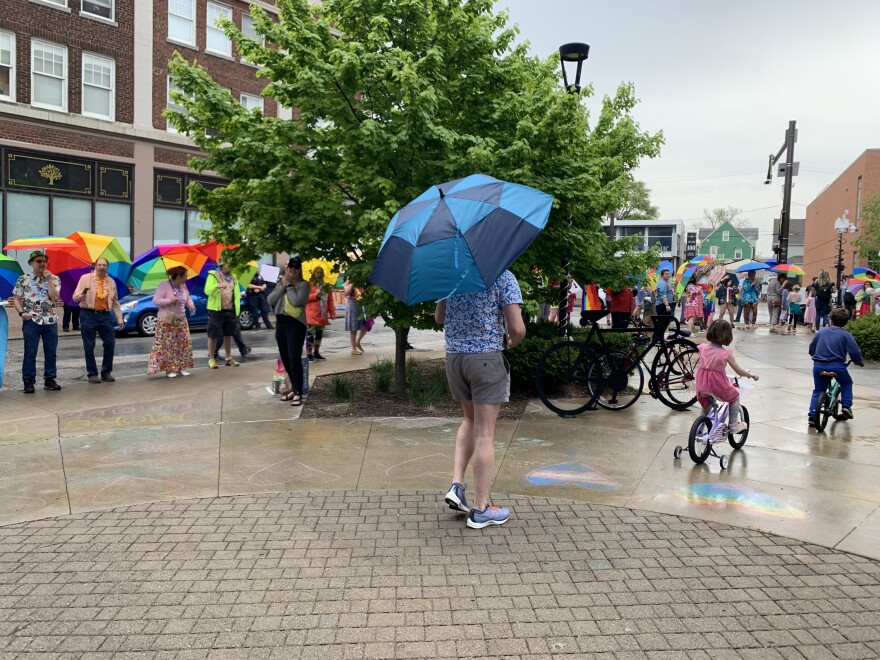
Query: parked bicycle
x=828, y=404
x=713, y=427
x=572, y=377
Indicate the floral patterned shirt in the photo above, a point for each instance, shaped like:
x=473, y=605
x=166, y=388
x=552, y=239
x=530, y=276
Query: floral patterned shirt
x=34, y=294
x=475, y=319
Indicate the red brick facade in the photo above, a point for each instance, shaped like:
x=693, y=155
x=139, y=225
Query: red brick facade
x=78, y=33
x=821, y=240
x=230, y=72
x=60, y=138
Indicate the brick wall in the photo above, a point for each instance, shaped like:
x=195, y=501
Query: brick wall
x=172, y=156
x=228, y=72
x=42, y=136
x=820, y=240
x=78, y=33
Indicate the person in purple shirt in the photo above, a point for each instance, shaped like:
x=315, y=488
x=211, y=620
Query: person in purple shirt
x=829, y=350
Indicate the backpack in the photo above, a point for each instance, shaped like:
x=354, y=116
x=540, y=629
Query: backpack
x=823, y=292
x=849, y=299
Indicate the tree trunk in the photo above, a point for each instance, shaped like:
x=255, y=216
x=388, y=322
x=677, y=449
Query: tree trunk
x=400, y=361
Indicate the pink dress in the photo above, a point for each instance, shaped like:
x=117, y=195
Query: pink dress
x=712, y=375
x=810, y=316
x=694, y=305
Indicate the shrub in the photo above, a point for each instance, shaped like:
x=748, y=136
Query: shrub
x=383, y=375
x=343, y=388
x=866, y=330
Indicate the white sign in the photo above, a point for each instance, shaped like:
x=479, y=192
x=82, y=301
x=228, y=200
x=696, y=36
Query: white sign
x=269, y=272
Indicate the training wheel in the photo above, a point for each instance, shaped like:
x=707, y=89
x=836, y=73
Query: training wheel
x=723, y=461
x=677, y=451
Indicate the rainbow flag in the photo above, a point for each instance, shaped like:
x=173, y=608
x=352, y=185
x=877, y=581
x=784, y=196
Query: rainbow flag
x=591, y=301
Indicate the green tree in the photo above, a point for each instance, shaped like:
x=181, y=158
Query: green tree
x=868, y=241
x=391, y=97
x=637, y=203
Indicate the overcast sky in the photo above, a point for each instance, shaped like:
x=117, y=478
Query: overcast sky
x=722, y=80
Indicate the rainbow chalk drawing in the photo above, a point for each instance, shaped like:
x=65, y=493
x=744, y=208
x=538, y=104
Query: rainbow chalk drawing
x=726, y=495
x=571, y=474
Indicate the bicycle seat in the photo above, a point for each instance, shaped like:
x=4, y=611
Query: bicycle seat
x=829, y=374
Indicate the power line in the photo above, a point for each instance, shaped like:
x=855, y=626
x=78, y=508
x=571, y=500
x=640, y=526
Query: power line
x=703, y=178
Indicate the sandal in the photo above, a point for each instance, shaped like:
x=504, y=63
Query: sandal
x=288, y=397
x=297, y=400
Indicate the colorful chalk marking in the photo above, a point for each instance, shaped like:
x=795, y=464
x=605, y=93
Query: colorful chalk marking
x=726, y=495
x=571, y=474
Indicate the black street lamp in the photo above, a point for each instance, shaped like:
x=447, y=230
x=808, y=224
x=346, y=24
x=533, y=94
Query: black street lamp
x=573, y=54
x=841, y=226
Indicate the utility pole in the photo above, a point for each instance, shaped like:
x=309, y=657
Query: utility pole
x=841, y=226
x=789, y=168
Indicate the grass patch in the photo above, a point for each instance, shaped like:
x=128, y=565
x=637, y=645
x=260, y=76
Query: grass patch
x=383, y=375
x=343, y=389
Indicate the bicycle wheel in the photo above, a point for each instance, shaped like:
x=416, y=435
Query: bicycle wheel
x=621, y=381
x=822, y=412
x=562, y=377
x=677, y=383
x=835, y=408
x=738, y=440
x=674, y=348
x=699, y=446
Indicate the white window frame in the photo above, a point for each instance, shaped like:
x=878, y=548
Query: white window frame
x=84, y=12
x=725, y=236
x=64, y=78
x=256, y=37
x=259, y=99
x=738, y=253
x=209, y=26
x=12, y=56
x=54, y=3
x=168, y=104
x=192, y=32
x=112, y=90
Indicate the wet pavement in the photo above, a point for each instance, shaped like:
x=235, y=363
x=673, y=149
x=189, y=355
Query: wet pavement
x=199, y=518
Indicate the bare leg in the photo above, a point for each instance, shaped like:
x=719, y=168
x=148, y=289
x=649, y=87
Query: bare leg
x=351, y=338
x=361, y=334
x=476, y=439
x=735, y=408
x=212, y=347
x=227, y=346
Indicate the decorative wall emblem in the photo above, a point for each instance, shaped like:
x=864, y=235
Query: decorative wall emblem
x=50, y=173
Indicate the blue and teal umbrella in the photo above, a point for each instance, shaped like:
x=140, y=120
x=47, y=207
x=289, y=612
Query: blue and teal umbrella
x=10, y=271
x=458, y=236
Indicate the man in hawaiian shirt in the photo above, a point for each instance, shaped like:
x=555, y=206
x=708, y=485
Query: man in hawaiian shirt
x=34, y=298
x=478, y=326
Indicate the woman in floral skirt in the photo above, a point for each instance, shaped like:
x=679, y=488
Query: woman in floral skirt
x=172, y=347
x=693, y=307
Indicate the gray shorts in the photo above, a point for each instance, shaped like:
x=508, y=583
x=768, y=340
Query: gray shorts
x=483, y=378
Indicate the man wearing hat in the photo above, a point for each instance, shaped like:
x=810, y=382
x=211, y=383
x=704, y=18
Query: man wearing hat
x=34, y=298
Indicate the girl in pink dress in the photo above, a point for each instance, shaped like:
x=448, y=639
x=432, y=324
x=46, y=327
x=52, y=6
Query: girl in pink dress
x=711, y=373
x=693, y=307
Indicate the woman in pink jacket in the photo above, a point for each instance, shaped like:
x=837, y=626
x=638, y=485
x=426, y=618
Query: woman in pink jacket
x=172, y=347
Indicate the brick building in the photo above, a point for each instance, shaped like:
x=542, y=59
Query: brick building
x=83, y=84
x=848, y=192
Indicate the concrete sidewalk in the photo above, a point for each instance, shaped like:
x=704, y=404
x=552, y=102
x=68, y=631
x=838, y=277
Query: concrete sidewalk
x=198, y=517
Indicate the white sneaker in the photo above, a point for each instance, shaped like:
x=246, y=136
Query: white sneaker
x=739, y=427
x=185, y=373
x=172, y=375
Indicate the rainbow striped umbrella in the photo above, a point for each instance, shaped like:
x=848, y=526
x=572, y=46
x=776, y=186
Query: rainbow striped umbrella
x=40, y=243
x=788, y=269
x=92, y=247
x=151, y=268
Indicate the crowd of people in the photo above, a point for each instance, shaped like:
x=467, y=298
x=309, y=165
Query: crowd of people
x=302, y=310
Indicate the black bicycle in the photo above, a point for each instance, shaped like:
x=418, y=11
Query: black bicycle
x=571, y=377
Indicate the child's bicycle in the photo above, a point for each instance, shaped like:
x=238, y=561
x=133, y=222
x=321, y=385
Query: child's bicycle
x=711, y=428
x=828, y=404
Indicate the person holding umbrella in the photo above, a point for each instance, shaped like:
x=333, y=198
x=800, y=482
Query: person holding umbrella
x=99, y=308
x=749, y=298
x=288, y=299
x=477, y=326
x=725, y=297
x=34, y=298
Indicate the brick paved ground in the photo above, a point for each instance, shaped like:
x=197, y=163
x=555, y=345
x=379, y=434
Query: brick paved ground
x=397, y=575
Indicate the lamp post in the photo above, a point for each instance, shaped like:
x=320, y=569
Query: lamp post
x=570, y=55
x=841, y=226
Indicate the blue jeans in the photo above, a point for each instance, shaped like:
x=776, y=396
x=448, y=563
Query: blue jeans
x=101, y=323
x=822, y=312
x=32, y=333
x=820, y=384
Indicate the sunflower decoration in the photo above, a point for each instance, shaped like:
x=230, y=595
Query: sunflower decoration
x=330, y=274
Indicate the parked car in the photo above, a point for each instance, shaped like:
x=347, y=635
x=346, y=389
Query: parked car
x=140, y=313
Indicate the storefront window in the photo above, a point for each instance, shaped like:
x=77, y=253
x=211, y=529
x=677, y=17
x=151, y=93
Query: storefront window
x=168, y=226
x=70, y=215
x=26, y=215
x=114, y=220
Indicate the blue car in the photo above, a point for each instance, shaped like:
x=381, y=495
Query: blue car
x=140, y=313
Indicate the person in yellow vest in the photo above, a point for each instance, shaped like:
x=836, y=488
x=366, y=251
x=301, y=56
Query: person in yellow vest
x=224, y=304
x=99, y=313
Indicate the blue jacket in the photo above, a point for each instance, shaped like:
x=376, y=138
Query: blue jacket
x=831, y=345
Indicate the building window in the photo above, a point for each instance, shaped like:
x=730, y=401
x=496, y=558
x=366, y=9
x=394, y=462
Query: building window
x=251, y=102
x=172, y=105
x=661, y=235
x=738, y=253
x=859, y=201
x=216, y=40
x=725, y=236
x=248, y=29
x=7, y=66
x=100, y=8
x=98, y=80
x=48, y=75
x=60, y=3
x=182, y=21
